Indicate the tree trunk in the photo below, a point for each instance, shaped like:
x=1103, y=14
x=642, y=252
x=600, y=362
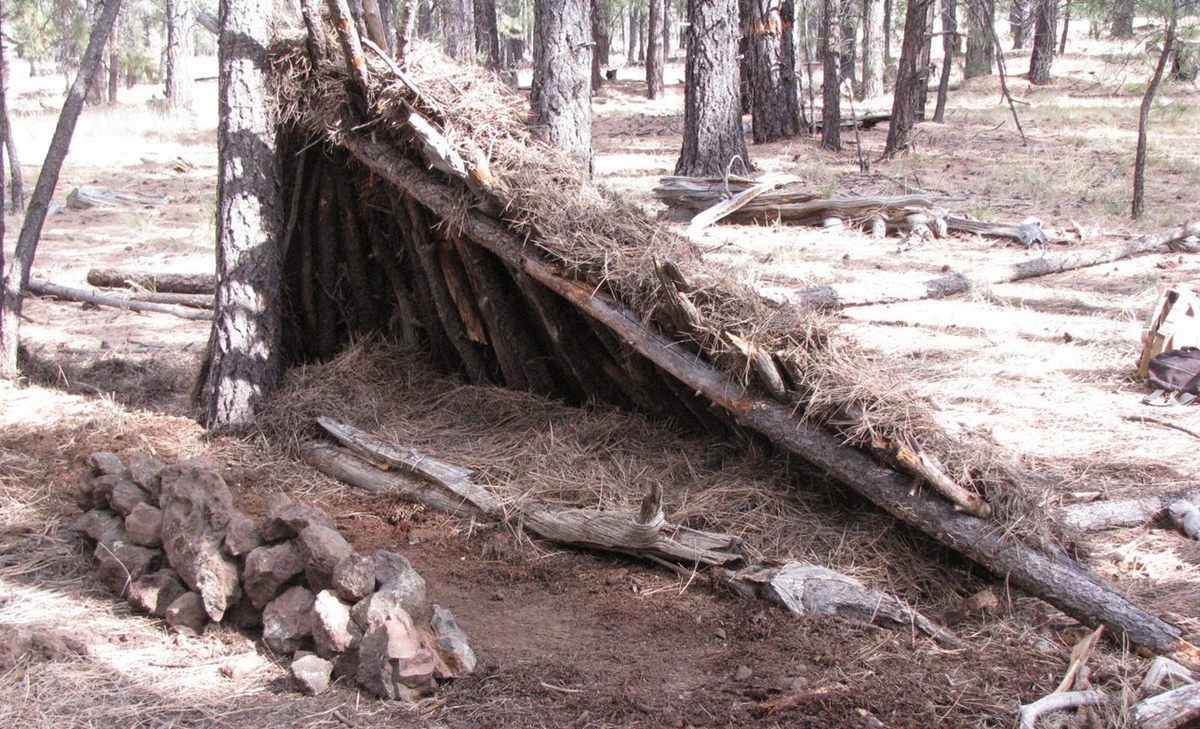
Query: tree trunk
x=487, y=35
x=17, y=274
x=114, y=75
x=871, y=84
x=179, y=55
x=1139, y=160
x=1066, y=27
x=1043, y=42
x=1122, y=19
x=655, y=52
x=712, y=120
x=243, y=366
x=923, y=65
x=849, y=47
x=910, y=79
x=981, y=46
x=601, y=41
x=831, y=111
x=887, y=32
x=1020, y=22
x=949, y=44
x=789, y=71
x=17, y=182
x=773, y=94
x=562, y=64
x=458, y=25
x=745, y=73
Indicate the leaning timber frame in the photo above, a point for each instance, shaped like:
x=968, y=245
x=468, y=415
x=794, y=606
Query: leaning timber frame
x=398, y=227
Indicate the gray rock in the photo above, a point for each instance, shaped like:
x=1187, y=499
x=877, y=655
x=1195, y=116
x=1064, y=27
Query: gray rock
x=243, y=615
x=394, y=570
x=119, y=565
x=394, y=662
x=187, y=611
x=323, y=547
x=287, y=620
x=145, y=470
x=104, y=463
x=354, y=577
x=287, y=517
x=144, y=525
x=196, y=505
x=333, y=630
x=101, y=525
x=268, y=569
x=242, y=535
x=400, y=589
x=155, y=592
x=451, y=644
x=310, y=674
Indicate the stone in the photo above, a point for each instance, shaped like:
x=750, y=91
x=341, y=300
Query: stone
x=153, y=593
x=354, y=577
x=144, y=525
x=287, y=517
x=187, y=611
x=238, y=667
x=83, y=493
x=119, y=565
x=145, y=470
x=310, y=674
x=125, y=495
x=268, y=569
x=101, y=525
x=394, y=662
x=104, y=463
x=242, y=535
x=323, y=547
x=400, y=589
x=244, y=615
x=196, y=505
x=394, y=570
x=102, y=489
x=332, y=629
x=287, y=620
x=451, y=644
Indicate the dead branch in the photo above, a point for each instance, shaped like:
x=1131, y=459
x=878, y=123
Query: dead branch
x=1168, y=710
x=1103, y=515
x=84, y=198
x=176, y=283
x=46, y=288
x=1031, y=713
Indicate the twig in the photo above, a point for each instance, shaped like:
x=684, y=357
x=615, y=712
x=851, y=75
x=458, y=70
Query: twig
x=1164, y=423
x=1030, y=713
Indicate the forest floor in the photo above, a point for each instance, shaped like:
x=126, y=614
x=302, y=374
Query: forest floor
x=571, y=638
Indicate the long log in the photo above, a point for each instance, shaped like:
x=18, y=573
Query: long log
x=1103, y=515
x=175, y=283
x=1168, y=710
x=1059, y=581
x=864, y=293
x=46, y=288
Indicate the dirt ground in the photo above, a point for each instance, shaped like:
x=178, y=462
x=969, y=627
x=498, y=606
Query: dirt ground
x=571, y=638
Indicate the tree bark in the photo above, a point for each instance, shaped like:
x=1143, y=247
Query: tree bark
x=1138, y=206
x=1122, y=19
x=458, y=25
x=601, y=39
x=130, y=302
x=981, y=46
x=773, y=93
x=1043, y=42
x=831, y=110
x=16, y=180
x=1020, y=22
x=562, y=65
x=244, y=363
x=176, y=283
x=712, y=119
x=487, y=36
x=949, y=44
x=655, y=52
x=17, y=276
x=179, y=55
x=871, y=84
x=910, y=79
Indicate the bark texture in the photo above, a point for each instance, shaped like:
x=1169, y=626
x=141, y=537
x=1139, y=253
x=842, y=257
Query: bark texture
x=981, y=45
x=712, y=119
x=773, y=93
x=949, y=46
x=656, y=55
x=487, y=36
x=244, y=360
x=871, y=84
x=910, y=78
x=831, y=112
x=17, y=275
x=562, y=83
x=1122, y=19
x=458, y=26
x=179, y=55
x=1043, y=41
x=1139, y=160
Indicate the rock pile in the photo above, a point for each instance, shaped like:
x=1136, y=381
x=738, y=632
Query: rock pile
x=169, y=540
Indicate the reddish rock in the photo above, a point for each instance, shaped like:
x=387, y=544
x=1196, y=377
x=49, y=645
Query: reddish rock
x=101, y=525
x=287, y=620
x=310, y=675
x=354, y=577
x=104, y=463
x=323, y=547
x=196, y=506
x=187, y=611
x=144, y=470
x=144, y=525
x=242, y=536
x=394, y=662
x=268, y=569
x=155, y=592
x=287, y=517
x=119, y=565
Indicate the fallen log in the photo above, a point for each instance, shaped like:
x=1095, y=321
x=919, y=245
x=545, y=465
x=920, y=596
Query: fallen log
x=1100, y=516
x=176, y=283
x=455, y=479
x=1031, y=713
x=1057, y=580
x=1168, y=710
x=85, y=198
x=46, y=288
x=865, y=293
x=344, y=465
